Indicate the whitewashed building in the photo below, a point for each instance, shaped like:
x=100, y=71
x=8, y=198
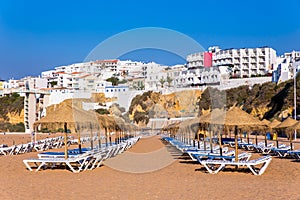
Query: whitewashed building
x=285, y=66
x=246, y=62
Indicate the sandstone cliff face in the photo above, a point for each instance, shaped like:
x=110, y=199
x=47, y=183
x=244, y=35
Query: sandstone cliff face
x=156, y=105
x=15, y=118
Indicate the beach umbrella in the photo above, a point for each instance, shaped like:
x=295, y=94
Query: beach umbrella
x=266, y=122
x=286, y=123
x=67, y=117
x=203, y=121
x=296, y=126
x=272, y=125
x=184, y=127
x=238, y=119
x=289, y=122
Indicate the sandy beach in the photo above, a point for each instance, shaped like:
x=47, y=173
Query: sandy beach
x=180, y=179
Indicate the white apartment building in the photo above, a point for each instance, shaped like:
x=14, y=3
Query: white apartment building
x=285, y=66
x=200, y=76
x=2, y=86
x=175, y=74
x=154, y=75
x=132, y=69
x=200, y=59
x=246, y=62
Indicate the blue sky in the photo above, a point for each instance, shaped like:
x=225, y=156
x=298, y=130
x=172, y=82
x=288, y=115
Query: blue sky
x=38, y=35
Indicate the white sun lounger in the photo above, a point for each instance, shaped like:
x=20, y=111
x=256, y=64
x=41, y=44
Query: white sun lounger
x=75, y=164
x=7, y=150
x=214, y=166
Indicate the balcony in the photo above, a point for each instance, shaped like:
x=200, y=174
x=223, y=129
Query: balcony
x=262, y=67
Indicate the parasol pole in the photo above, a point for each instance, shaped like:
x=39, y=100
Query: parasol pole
x=99, y=139
x=291, y=142
x=266, y=142
x=277, y=145
x=236, y=142
x=109, y=133
x=204, y=141
x=66, y=140
x=210, y=140
x=220, y=141
x=106, y=137
x=256, y=137
x=194, y=138
x=198, y=138
x=248, y=139
x=79, y=139
x=91, y=136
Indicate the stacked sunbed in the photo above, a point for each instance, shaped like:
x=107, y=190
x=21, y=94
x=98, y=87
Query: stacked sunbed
x=41, y=145
x=215, y=159
x=78, y=159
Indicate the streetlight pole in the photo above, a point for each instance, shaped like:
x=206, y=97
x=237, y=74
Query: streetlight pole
x=295, y=97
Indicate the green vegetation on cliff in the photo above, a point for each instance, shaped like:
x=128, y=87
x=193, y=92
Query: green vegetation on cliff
x=268, y=99
x=11, y=105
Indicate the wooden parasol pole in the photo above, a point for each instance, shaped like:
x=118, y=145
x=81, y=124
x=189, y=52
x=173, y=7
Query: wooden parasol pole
x=256, y=137
x=248, y=139
x=106, y=137
x=99, y=139
x=198, y=138
x=266, y=142
x=79, y=139
x=66, y=140
x=204, y=142
x=220, y=141
x=291, y=140
x=277, y=145
x=91, y=136
x=210, y=140
x=236, y=142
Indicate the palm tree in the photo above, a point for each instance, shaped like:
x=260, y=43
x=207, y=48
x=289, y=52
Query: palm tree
x=162, y=81
x=114, y=80
x=169, y=81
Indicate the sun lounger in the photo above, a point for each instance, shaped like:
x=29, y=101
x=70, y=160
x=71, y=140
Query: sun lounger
x=294, y=154
x=241, y=157
x=257, y=166
x=75, y=164
x=95, y=161
x=7, y=150
x=268, y=150
x=194, y=153
x=263, y=148
x=282, y=152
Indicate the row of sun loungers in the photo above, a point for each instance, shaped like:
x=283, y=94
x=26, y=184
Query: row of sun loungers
x=76, y=162
x=41, y=145
x=282, y=151
x=214, y=166
x=214, y=162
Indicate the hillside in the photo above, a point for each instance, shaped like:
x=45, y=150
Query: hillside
x=12, y=113
x=155, y=105
x=266, y=101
